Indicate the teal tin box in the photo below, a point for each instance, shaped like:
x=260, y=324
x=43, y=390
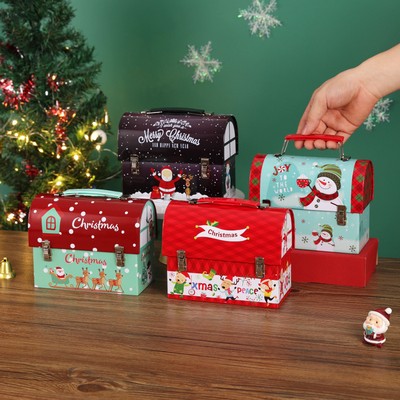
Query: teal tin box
x=330, y=197
x=92, y=240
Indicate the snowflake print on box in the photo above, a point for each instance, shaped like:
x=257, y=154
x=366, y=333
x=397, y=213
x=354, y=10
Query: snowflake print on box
x=205, y=66
x=260, y=18
x=92, y=240
x=380, y=113
x=329, y=197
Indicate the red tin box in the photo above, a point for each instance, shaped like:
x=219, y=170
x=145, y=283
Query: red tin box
x=228, y=251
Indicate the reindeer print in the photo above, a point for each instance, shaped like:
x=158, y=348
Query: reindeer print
x=100, y=281
x=117, y=282
x=83, y=279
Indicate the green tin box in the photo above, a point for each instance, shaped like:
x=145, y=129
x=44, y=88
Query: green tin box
x=92, y=240
x=330, y=197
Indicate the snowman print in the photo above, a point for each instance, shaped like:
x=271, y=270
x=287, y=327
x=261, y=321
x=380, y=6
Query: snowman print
x=324, y=195
x=323, y=239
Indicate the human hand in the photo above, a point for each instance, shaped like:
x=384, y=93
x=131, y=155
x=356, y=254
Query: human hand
x=337, y=107
x=341, y=104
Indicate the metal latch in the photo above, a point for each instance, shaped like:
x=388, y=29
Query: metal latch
x=260, y=267
x=46, y=249
x=134, y=158
x=119, y=255
x=181, y=259
x=205, y=168
x=341, y=216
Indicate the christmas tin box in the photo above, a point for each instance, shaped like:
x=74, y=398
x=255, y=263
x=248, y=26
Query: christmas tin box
x=228, y=251
x=178, y=153
x=92, y=240
x=330, y=197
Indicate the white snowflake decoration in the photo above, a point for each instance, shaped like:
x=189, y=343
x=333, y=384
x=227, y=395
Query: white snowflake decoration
x=380, y=113
x=260, y=18
x=205, y=66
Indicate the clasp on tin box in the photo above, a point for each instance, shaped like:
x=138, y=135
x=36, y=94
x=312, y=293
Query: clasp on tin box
x=181, y=259
x=46, y=250
x=119, y=255
x=341, y=217
x=134, y=159
x=260, y=267
x=205, y=168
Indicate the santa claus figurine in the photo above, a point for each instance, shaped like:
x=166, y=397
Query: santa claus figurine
x=376, y=325
x=167, y=184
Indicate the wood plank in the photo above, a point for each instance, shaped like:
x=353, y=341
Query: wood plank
x=71, y=344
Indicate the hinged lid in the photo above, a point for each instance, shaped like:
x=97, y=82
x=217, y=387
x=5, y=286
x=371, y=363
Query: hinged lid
x=228, y=229
x=177, y=135
x=91, y=223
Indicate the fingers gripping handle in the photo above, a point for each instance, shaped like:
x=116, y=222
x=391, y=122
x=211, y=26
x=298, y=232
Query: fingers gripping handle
x=326, y=138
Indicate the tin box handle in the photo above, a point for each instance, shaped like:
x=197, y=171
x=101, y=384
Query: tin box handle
x=92, y=193
x=333, y=138
x=223, y=201
x=175, y=110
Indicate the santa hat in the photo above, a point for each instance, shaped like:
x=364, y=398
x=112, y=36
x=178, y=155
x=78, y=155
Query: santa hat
x=333, y=172
x=229, y=278
x=184, y=273
x=265, y=280
x=383, y=313
x=166, y=168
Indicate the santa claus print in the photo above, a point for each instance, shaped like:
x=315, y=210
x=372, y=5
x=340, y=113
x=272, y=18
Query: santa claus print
x=166, y=181
x=324, y=195
x=60, y=273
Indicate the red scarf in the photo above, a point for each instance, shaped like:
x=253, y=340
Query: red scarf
x=321, y=239
x=305, y=201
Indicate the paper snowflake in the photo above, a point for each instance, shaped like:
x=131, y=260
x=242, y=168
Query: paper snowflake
x=260, y=18
x=205, y=66
x=380, y=113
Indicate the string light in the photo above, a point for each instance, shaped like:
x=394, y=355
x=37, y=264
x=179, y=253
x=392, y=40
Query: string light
x=10, y=217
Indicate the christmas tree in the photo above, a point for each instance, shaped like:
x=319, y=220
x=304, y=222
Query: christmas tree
x=53, y=116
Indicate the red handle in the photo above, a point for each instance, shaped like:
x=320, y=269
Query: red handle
x=334, y=138
x=223, y=201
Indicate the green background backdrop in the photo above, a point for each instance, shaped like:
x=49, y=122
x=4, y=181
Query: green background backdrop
x=265, y=83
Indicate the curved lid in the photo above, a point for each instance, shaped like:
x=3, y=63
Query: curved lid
x=235, y=232
x=177, y=137
x=89, y=223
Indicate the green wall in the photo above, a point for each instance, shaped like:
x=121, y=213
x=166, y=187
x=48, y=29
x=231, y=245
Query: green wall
x=265, y=83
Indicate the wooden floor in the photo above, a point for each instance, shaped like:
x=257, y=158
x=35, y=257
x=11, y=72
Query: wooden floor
x=75, y=344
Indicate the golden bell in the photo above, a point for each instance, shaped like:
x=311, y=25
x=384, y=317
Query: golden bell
x=162, y=259
x=6, y=271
